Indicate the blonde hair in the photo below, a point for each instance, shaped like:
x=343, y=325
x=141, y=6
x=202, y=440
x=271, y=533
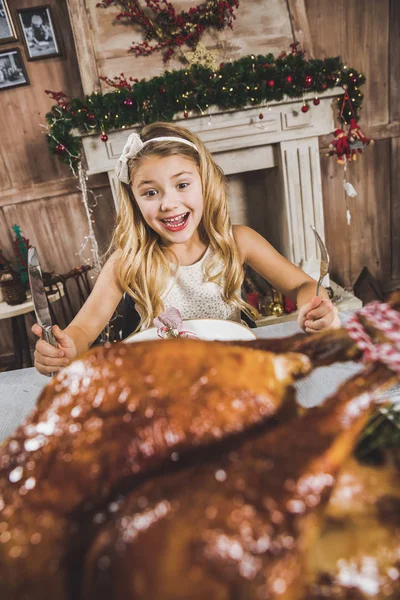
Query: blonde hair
x=144, y=264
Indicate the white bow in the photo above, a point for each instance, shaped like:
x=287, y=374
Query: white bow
x=132, y=146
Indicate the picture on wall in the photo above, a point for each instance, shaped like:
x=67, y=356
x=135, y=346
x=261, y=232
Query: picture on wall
x=38, y=32
x=12, y=70
x=7, y=31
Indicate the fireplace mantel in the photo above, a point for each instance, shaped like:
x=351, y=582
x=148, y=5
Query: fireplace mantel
x=240, y=141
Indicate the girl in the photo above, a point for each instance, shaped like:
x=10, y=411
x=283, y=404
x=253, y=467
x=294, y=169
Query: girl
x=174, y=245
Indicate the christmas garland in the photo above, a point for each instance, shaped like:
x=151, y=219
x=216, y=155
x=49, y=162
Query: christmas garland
x=170, y=30
x=249, y=81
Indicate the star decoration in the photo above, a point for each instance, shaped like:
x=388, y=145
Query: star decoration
x=203, y=57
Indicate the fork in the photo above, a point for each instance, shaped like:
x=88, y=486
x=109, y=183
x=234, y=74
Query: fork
x=324, y=262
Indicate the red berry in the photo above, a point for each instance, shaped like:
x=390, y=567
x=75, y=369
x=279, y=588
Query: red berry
x=289, y=79
x=271, y=82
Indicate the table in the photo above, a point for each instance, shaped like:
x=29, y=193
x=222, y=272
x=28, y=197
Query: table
x=19, y=389
x=20, y=338
x=18, y=328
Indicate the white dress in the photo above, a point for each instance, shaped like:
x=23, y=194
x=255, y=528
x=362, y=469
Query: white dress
x=196, y=298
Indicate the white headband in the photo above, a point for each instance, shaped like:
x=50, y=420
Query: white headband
x=133, y=145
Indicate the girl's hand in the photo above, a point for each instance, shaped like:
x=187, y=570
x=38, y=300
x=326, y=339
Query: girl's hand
x=49, y=359
x=318, y=314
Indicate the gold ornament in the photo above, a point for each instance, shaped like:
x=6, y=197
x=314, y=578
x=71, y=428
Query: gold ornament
x=203, y=57
x=277, y=310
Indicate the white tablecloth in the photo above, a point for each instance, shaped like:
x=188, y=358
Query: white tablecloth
x=20, y=389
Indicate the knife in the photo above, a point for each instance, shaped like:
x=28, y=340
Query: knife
x=39, y=297
x=324, y=262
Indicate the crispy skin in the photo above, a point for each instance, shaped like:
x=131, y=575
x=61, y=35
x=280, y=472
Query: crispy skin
x=119, y=412
x=357, y=554
x=123, y=412
x=243, y=526
x=325, y=347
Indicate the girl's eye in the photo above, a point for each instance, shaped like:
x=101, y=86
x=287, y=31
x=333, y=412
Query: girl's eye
x=182, y=185
x=150, y=193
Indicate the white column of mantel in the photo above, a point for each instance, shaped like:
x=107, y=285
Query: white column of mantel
x=301, y=176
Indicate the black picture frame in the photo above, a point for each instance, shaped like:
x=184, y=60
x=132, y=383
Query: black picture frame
x=12, y=69
x=38, y=32
x=7, y=29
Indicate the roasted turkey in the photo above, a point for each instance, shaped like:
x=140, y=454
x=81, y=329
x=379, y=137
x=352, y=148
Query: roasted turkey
x=178, y=469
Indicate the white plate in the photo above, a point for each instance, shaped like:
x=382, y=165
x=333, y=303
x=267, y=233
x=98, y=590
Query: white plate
x=205, y=329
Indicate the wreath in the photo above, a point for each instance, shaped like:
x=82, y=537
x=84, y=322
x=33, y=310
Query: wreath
x=168, y=29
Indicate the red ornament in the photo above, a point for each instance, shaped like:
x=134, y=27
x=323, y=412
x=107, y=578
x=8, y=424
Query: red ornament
x=305, y=108
x=340, y=146
x=260, y=116
x=308, y=81
x=271, y=83
x=186, y=114
x=289, y=79
x=128, y=102
x=60, y=149
x=91, y=117
x=104, y=137
x=324, y=86
x=357, y=139
x=316, y=101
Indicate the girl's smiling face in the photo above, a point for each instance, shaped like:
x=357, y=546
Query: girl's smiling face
x=169, y=195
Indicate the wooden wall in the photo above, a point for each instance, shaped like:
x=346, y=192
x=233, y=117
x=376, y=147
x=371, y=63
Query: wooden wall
x=36, y=191
x=366, y=34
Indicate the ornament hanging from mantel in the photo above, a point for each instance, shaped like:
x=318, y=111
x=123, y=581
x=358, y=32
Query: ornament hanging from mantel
x=349, y=141
x=168, y=29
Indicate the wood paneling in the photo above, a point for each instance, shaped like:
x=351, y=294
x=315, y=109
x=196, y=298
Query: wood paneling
x=366, y=241
x=395, y=207
x=259, y=28
x=358, y=31
x=83, y=38
x=300, y=26
x=394, y=62
x=24, y=158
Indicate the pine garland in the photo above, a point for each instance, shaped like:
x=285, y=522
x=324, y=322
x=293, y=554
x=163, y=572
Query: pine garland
x=249, y=81
x=169, y=29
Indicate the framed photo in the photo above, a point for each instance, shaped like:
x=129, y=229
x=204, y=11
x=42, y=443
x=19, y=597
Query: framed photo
x=38, y=32
x=7, y=31
x=12, y=70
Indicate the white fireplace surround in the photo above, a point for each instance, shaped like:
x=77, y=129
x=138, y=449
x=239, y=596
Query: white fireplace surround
x=240, y=141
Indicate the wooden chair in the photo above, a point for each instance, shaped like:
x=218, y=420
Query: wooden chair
x=72, y=289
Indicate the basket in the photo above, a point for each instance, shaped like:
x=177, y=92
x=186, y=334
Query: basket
x=13, y=291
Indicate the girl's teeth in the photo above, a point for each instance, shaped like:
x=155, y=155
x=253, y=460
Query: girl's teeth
x=176, y=221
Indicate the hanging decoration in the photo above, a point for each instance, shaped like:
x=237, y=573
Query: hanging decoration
x=168, y=29
x=347, y=144
x=248, y=81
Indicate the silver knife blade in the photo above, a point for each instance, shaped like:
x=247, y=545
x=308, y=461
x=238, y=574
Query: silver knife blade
x=324, y=261
x=39, y=298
